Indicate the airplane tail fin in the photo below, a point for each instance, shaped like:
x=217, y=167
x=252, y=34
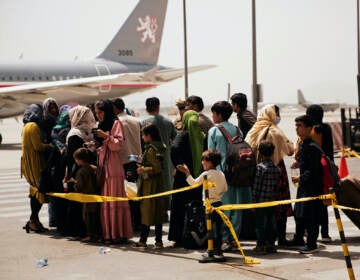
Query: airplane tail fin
x=138, y=40
x=301, y=98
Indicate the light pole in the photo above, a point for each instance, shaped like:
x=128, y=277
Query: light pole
x=255, y=88
x=185, y=52
x=358, y=50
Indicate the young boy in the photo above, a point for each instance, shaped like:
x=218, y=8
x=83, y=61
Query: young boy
x=307, y=214
x=209, y=160
x=221, y=112
x=266, y=180
x=85, y=182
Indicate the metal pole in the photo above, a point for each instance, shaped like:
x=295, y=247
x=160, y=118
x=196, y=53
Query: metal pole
x=342, y=238
x=254, y=68
x=185, y=52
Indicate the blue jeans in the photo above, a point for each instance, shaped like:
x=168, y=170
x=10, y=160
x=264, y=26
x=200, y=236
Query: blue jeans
x=235, y=195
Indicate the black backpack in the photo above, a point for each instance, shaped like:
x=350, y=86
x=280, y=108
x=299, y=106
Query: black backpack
x=195, y=233
x=240, y=160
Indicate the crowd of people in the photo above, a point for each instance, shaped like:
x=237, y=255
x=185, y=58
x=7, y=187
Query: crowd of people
x=97, y=148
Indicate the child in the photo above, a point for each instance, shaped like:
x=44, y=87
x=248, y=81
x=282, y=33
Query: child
x=209, y=160
x=85, y=182
x=266, y=180
x=150, y=181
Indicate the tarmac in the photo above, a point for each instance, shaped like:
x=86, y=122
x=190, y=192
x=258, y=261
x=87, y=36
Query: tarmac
x=68, y=259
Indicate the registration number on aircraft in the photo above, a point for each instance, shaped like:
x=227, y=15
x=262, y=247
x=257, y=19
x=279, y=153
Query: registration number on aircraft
x=125, y=53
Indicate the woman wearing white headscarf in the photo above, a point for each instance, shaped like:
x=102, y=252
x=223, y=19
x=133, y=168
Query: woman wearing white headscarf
x=82, y=121
x=265, y=128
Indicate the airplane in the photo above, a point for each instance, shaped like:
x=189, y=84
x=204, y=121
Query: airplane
x=326, y=106
x=128, y=64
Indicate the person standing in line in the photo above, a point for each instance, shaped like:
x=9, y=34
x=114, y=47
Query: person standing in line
x=116, y=215
x=153, y=211
x=58, y=135
x=51, y=115
x=246, y=118
x=221, y=112
x=209, y=160
x=85, y=182
x=186, y=149
x=266, y=128
x=196, y=103
x=33, y=162
x=131, y=146
x=167, y=133
x=267, y=178
x=82, y=122
x=322, y=136
x=181, y=105
x=307, y=214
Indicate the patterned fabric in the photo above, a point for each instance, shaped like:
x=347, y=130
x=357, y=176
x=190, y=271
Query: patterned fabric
x=266, y=181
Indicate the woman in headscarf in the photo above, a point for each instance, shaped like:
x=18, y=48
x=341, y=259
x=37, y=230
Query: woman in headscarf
x=266, y=128
x=82, y=121
x=51, y=114
x=33, y=162
x=115, y=216
x=186, y=149
x=58, y=136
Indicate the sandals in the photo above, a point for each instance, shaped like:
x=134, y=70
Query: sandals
x=140, y=245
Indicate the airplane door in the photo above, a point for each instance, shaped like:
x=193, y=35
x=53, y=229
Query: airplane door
x=103, y=69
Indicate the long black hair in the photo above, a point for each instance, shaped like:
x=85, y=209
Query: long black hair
x=105, y=105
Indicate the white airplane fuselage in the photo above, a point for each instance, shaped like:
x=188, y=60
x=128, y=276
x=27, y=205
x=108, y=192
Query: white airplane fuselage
x=21, y=73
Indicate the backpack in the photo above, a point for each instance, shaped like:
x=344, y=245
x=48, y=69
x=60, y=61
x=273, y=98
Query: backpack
x=195, y=233
x=240, y=162
x=330, y=177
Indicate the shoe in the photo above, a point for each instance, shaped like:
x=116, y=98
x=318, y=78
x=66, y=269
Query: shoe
x=282, y=243
x=140, y=245
x=177, y=245
x=295, y=243
x=326, y=239
x=159, y=245
x=308, y=250
x=226, y=246
x=260, y=249
x=270, y=248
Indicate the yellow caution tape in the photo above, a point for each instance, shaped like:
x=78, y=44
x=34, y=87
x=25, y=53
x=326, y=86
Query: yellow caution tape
x=347, y=152
x=346, y=208
x=273, y=203
x=227, y=222
x=85, y=198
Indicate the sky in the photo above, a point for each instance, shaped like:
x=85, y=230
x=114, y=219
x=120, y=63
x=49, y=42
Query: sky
x=308, y=45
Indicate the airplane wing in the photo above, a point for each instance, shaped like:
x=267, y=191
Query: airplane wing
x=172, y=74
